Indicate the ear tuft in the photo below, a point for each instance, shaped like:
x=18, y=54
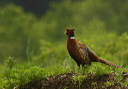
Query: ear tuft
x=73, y=29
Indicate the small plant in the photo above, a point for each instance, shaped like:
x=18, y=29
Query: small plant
x=10, y=62
x=66, y=88
x=79, y=78
x=108, y=83
x=124, y=84
x=8, y=71
x=94, y=84
x=120, y=78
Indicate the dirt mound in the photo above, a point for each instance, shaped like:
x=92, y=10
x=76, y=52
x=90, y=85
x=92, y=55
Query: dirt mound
x=65, y=81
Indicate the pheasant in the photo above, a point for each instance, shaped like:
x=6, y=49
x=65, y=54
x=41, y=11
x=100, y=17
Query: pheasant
x=81, y=53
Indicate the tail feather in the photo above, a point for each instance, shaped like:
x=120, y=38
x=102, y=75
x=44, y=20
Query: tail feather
x=109, y=63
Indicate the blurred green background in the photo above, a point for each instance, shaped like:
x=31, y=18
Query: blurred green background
x=33, y=30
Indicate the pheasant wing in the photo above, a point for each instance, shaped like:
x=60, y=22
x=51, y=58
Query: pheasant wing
x=93, y=57
x=83, y=50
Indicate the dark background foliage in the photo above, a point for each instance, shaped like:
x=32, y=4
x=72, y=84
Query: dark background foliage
x=32, y=30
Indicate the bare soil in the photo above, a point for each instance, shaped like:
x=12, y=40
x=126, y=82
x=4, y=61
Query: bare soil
x=64, y=81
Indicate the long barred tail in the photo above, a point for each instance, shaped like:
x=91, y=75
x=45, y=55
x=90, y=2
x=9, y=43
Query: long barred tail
x=109, y=63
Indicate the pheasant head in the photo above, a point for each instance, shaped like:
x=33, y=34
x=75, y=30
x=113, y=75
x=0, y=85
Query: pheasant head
x=70, y=33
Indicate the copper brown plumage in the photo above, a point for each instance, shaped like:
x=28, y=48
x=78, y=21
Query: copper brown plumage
x=81, y=53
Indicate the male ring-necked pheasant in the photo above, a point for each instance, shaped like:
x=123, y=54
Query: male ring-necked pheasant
x=81, y=53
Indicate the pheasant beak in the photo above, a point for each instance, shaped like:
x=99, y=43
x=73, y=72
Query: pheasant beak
x=65, y=32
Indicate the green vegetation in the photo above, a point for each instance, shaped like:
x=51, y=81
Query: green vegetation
x=78, y=78
x=21, y=74
x=36, y=47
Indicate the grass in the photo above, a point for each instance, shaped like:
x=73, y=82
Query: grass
x=20, y=74
x=15, y=75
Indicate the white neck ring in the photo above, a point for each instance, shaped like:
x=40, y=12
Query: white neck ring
x=72, y=37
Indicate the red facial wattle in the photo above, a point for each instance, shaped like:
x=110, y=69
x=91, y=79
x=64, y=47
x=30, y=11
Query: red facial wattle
x=69, y=31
